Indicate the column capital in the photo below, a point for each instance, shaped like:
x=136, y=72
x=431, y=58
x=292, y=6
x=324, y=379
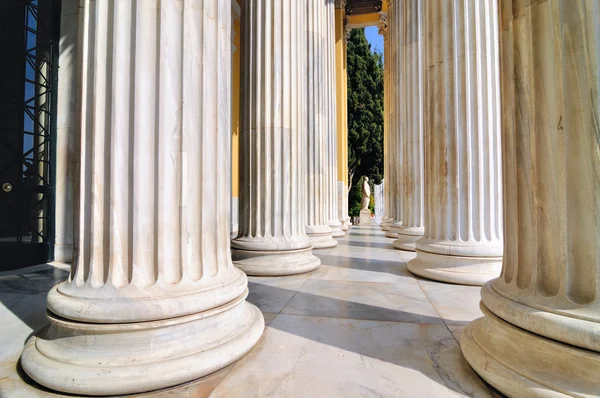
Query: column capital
x=383, y=24
x=347, y=29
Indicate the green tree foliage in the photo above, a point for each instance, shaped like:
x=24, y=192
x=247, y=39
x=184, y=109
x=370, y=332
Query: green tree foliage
x=365, y=117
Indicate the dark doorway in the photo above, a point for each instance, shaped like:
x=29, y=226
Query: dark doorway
x=29, y=36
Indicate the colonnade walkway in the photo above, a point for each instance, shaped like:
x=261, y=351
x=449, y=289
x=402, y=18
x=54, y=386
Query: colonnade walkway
x=360, y=325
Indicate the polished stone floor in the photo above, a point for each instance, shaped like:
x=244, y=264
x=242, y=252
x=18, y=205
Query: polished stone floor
x=359, y=326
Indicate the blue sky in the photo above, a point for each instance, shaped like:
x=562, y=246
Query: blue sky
x=374, y=38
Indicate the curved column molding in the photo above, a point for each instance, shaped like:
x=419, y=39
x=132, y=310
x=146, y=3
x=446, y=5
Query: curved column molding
x=330, y=113
x=411, y=102
x=540, y=335
x=153, y=299
x=395, y=26
x=272, y=238
x=317, y=227
x=463, y=209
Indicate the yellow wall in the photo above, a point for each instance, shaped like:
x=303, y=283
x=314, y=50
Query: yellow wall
x=362, y=20
x=235, y=111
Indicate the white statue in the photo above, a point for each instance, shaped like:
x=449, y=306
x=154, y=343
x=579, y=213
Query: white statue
x=366, y=195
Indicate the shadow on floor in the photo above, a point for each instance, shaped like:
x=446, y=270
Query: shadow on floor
x=402, y=338
x=25, y=294
x=389, y=267
x=358, y=243
x=308, y=304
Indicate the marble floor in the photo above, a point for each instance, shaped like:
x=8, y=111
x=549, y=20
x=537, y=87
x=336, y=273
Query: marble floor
x=360, y=326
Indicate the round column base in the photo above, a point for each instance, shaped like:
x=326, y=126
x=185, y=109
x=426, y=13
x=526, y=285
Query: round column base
x=276, y=262
x=345, y=225
x=392, y=232
x=455, y=269
x=406, y=242
x=116, y=359
x=522, y=364
x=322, y=241
x=336, y=229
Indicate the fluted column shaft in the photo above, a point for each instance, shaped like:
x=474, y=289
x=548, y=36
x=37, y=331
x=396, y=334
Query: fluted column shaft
x=342, y=114
x=331, y=120
x=152, y=254
x=384, y=31
x=541, y=332
x=272, y=239
x=317, y=227
x=393, y=78
x=411, y=102
x=463, y=208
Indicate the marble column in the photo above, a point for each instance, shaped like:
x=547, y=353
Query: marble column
x=66, y=162
x=272, y=238
x=384, y=31
x=317, y=227
x=540, y=334
x=394, y=141
x=342, y=114
x=153, y=299
x=330, y=107
x=236, y=61
x=463, y=206
x=411, y=103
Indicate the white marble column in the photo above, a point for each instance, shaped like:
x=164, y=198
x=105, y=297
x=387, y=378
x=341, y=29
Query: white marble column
x=395, y=154
x=317, y=227
x=342, y=112
x=384, y=31
x=330, y=107
x=153, y=299
x=411, y=114
x=540, y=335
x=463, y=202
x=272, y=238
x=66, y=161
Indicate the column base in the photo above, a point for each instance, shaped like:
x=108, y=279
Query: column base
x=115, y=359
x=407, y=238
x=345, y=224
x=455, y=269
x=336, y=229
x=522, y=364
x=276, y=262
x=393, y=231
x=386, y=223
x=321, y=237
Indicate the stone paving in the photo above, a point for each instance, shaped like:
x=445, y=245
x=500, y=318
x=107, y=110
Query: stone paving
x=360, y=326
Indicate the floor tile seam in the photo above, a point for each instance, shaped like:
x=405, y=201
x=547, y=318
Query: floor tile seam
x=447, y=328
x=437, y=312
x=292, y=297
x=394, y=283
x=442, y=323
x=296, y=360
x=359, y=281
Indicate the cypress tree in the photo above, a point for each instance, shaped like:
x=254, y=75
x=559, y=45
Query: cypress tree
x=365, y=117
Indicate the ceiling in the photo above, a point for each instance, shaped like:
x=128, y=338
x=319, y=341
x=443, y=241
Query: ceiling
x=357, y=7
